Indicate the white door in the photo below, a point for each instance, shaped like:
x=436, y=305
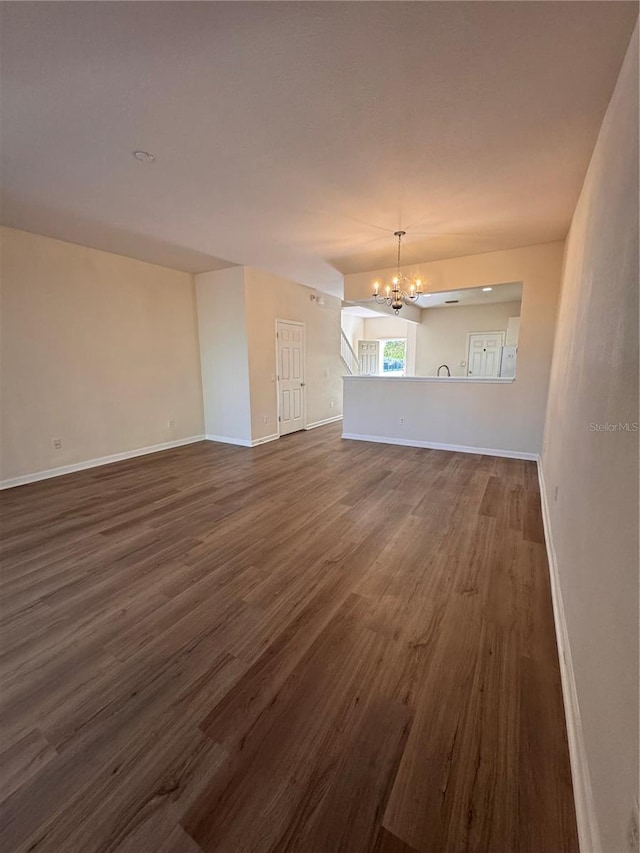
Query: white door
x=368, y=356
x=484, y=353
x=290, y=340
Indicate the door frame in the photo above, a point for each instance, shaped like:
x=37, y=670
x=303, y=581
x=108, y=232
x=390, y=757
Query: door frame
x=498, y=332
x=304, y=370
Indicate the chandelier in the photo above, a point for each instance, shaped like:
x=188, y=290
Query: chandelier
x=405, y=290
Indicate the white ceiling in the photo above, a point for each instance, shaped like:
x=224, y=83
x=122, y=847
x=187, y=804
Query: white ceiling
x=298, y=136
x=361, y=311
x=509, y=292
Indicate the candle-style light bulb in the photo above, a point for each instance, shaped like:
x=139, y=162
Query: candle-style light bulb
x=418, y=284
x=388, y=289
x=413, y=287
x=395, y=279
x=376, y=286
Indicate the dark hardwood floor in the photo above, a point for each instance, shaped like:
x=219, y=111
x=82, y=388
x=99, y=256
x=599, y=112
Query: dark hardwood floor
x=316, y=645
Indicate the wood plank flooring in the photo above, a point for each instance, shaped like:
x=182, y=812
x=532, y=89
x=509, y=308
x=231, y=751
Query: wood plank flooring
x=315, y=645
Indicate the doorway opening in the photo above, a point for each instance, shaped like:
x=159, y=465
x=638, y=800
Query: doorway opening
x=393, y=357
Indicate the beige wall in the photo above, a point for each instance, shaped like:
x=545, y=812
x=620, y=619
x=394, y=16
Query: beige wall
x=594, y=519
x=353, y=327
x=103, y=351
x=442, y=335
x=270, y=297
x=382, y=328
x=223, y=354
x=98, y=350
x=507, y=417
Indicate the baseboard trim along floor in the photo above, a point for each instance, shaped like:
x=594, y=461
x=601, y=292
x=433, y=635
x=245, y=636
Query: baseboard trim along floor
x=61, y=470
x=324, y=422
x=434, y=445
x=588, y=832
x=242, y=442
x=95, y=463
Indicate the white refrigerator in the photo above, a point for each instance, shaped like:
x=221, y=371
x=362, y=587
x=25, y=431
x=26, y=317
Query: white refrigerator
x=508, y=357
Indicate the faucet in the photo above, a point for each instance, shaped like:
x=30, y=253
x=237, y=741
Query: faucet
x=446, y=367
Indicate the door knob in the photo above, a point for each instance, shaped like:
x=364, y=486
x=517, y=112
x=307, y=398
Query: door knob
x=302, y=384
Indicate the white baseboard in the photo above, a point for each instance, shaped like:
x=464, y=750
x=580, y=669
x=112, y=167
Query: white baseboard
x=265, y=439
x=434, y=445
x=95, y=463
x=588, y=833
x=226, y=439
x=324, y=422
x=242, y=442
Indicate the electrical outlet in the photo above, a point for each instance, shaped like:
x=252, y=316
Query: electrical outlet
x=265, y=419
x=633, y=830
x=172, y=424
x=57, y=443
x=331, y=404
x=401, y=420
x=555, y=493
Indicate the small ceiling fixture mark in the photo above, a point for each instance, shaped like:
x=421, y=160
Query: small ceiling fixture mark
x=144, y=156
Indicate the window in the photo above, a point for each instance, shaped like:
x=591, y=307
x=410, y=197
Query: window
x=393, y=357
